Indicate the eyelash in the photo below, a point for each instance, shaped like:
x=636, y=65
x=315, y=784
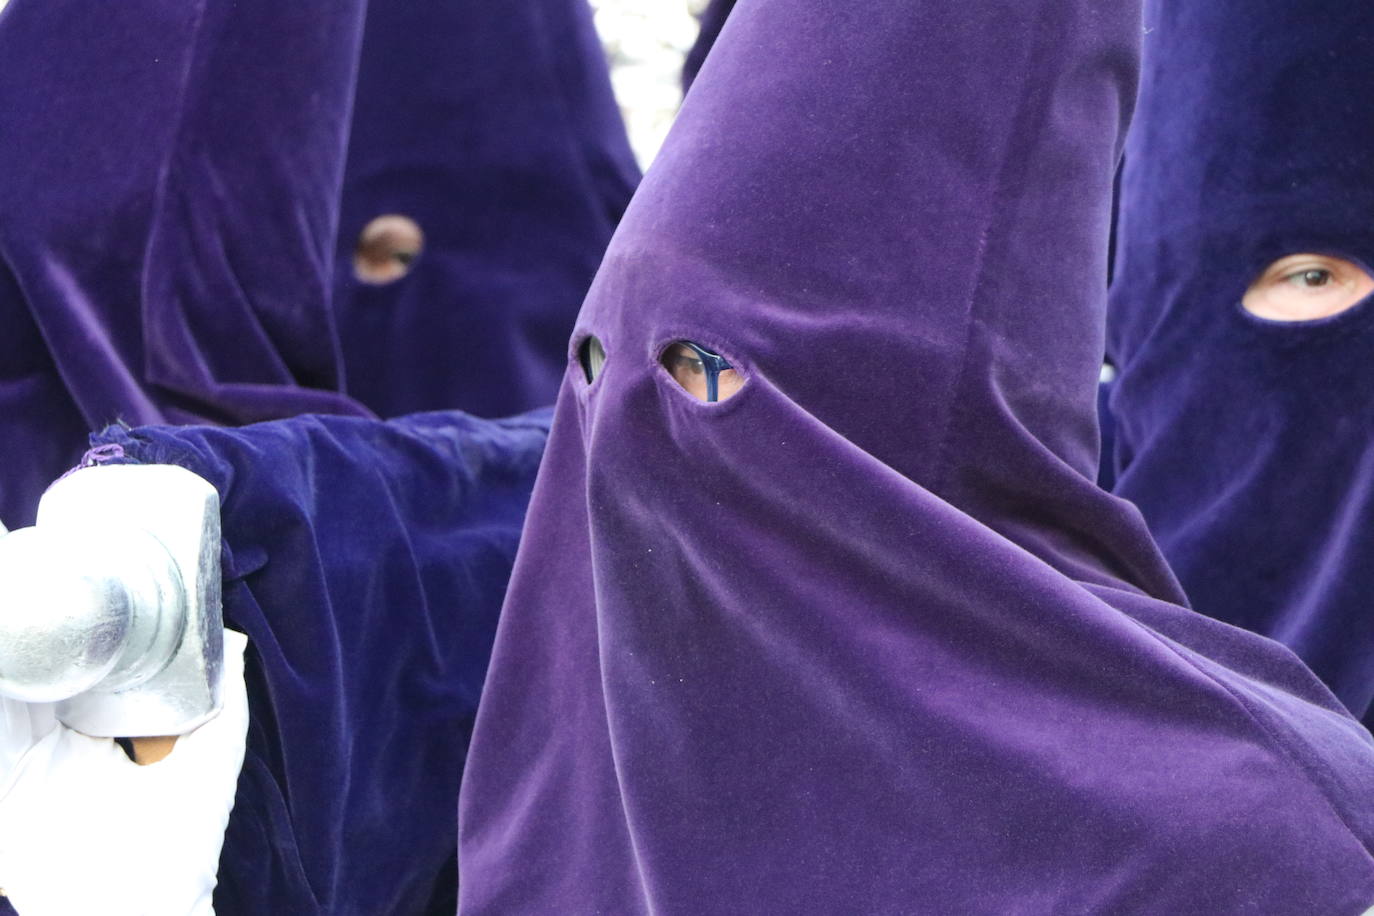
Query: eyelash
x=1294, y=276
x=1301, y=275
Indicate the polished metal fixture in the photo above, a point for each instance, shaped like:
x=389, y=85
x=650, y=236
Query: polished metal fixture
x=110, y=603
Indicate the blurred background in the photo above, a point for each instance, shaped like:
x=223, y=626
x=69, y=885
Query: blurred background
x=645, y=42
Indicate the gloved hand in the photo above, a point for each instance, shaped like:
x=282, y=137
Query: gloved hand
x=22, y=725
x=83, y=829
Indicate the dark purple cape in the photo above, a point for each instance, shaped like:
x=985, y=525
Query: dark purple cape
x=493, y=126
x=1249, y=444
x=170, y=192
x=866, y=638
x=367, y=562
x=171, y=178
x=171, y=189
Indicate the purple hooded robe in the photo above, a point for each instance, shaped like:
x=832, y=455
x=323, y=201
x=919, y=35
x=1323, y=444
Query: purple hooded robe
x=1247, y=443
x=493, y=126
x=866, y=637
x=166, y=248
x=171, y=180
x=167, y=233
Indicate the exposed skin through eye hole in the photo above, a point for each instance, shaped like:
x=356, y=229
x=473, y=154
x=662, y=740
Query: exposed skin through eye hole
x=692, y=366
x=387, y=249
x=592, y=356
x=1304, y=287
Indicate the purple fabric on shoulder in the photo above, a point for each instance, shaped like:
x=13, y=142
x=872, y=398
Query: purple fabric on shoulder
x=366, y=562
x=866, y=637
x=1248, y=443
x=493, y=127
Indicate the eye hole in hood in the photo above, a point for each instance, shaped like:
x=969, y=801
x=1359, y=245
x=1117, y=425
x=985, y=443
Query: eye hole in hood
x=387, y=249
x=705, y=374
x=1306, y=286
x=591, y=355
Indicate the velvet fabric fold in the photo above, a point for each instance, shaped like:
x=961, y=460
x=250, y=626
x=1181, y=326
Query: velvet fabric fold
x=866, y=637
x=166, y=252
x=173, y=177
x=367, y=563
x=1246, y=442
x=493, y=126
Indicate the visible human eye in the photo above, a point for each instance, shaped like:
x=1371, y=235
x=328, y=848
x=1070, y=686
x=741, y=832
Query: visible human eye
x=688, y=364
x=1304, y=287
x=1312, y=278
x=592, y=355
x=706, y=375
x=387, y=249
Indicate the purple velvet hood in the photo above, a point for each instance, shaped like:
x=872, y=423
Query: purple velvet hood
x=866, y=638
x=1249, y=444
x=712, y=20
x=171, y=181
x=171, y=176
x=493, y=126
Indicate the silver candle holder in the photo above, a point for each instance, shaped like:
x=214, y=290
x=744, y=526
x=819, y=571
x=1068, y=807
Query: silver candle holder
x=110, y=604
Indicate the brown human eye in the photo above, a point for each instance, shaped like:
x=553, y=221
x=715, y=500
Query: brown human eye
x=387, y=249
x=1305, y=287
x=704, y=374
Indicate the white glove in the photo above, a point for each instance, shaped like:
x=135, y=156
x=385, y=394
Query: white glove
x=22, y=725
x=83, y=829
